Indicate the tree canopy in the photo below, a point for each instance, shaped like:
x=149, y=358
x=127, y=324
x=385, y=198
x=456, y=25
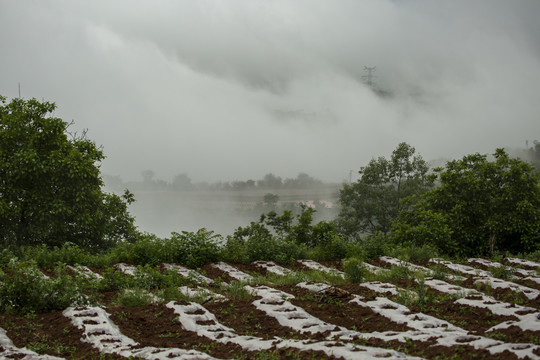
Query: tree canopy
x=480, y=206
x=50, y=183
x=371, y=203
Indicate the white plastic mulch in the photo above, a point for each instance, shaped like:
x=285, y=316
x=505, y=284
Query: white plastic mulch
x=372, y=268
x=425, y=327
x=196, y=318
x=189, y=273
x=232, y=271
x=527, y=317
x=380, y=287
x=428, y=271
x=84, y=271
x=496, y=283
x=313, y=265
x=313, y=286
x=398, y=262
x=272, y=267
x=447, y=288
x=523, y=262
x=10, y=351
x=488, y=263
x=105, y=336
x=203, y=293
x=531, y=275
x=126, y=269
x=274, y=303
x=485, y=277
x=464, y=269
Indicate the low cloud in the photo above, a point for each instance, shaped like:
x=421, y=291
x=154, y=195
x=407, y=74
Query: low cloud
x=237, y=89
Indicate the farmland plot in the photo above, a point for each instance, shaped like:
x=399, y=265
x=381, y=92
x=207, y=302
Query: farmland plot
x=307, y=310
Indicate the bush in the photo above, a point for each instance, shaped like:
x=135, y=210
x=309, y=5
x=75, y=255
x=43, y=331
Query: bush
x=235, y=251
x=335, y=248
x=354, y=270
x=149, y=278
x=25, y=289
x=282, y=251
x=148, y=249
x=6, y=256
x=134, y=297
x=375, y=245
x=414, y=253
x=68, y=253
x=114, y=279
x=194, y=249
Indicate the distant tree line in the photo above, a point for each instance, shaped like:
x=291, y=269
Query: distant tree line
x=183, y=182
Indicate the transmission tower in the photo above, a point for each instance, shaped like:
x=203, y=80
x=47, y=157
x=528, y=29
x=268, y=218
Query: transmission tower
x=369, y=77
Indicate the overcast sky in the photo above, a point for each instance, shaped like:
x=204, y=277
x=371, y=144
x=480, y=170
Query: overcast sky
x=235, y=89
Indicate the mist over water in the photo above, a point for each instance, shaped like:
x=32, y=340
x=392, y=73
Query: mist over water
x=234, y=90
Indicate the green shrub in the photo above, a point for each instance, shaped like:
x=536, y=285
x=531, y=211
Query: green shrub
x=148, y=249
x=44, y=257
x=149, y=278
x=6, y=256
x=114, y=279
x=335, y=248
x=374, y=245
x=502, y=272
x=235, y=251
x=194, y=249
x=235, y=290
x=134, y=297
x=414, y=253
x=280, y=250
x=25, y=289
x=354, y=270
x=396, y=273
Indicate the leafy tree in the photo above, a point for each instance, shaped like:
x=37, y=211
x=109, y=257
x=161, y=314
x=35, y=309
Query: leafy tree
x=371, y=203
x=182, y=181
x=50, y=184
x=480, y=206
x=270, y=199
x=534, y=154
x=270, y=181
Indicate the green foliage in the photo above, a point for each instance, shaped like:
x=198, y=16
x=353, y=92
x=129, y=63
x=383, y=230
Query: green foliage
x=148, y=249
x=354, y=270
x=270, y=199
x=134, y=297
x=44, y=257
x=413, y=253
x=419, y=227
x=51, y=184
x=374, y=246
x=191, y=249
x=114, y=279
x=335, y=248
x=281, y=238
x=502, y=272
x=6, y=256
x=235, y=290
x=194, y=249
x=149, y=278
x=370, y=204
x=280, y=250
x=480, y=207
x=24, y=289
